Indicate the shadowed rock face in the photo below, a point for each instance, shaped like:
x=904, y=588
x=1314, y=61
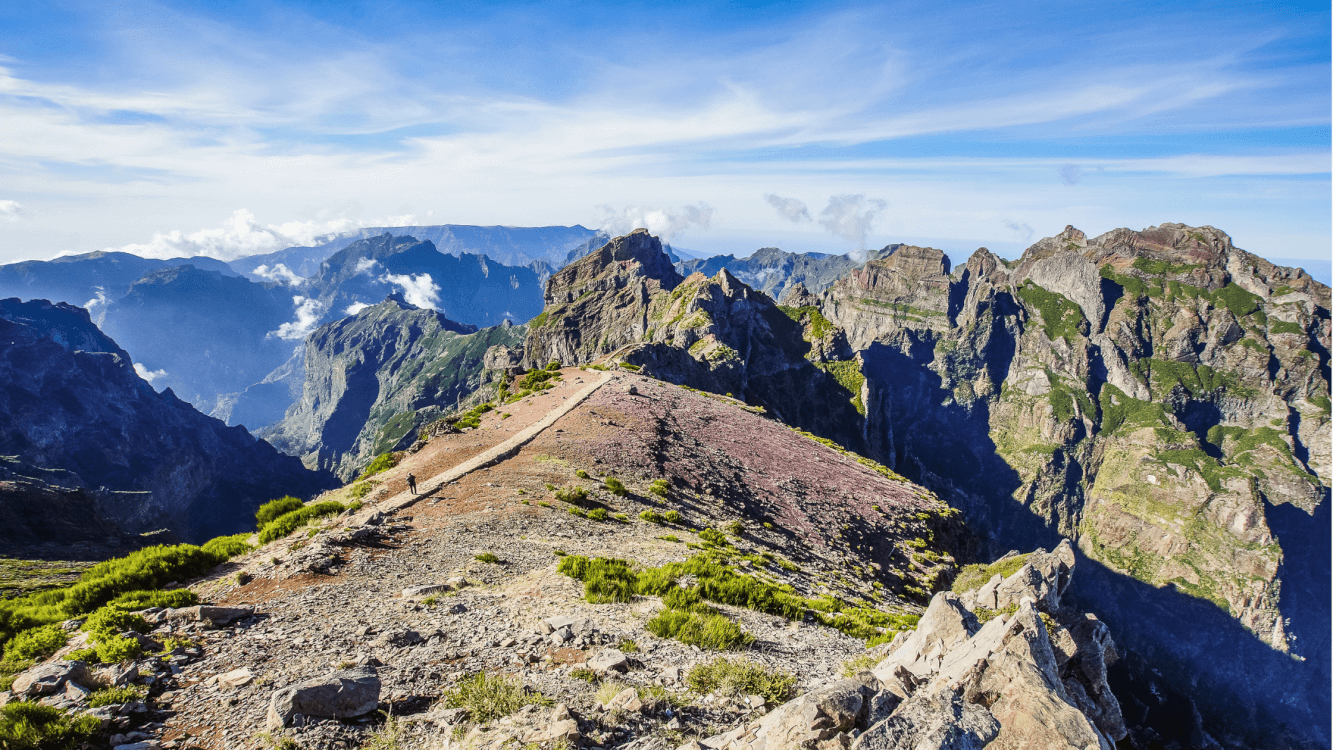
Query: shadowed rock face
x=1158, y=397
x=773, y=271
x=715, y=334
x=1154, y=396
x=72, y=401
x=1032, y=676
x=372, y=380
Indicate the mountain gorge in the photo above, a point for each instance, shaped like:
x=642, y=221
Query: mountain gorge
x=372, y=380
x=141, y=460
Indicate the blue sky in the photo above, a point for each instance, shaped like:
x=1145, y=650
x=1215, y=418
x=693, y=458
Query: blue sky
x=240, y=127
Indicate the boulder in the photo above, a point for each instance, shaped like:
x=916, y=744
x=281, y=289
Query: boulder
x=344, y=694
x=933, y=721
x=50, y=678
x=608, y=660
x=425, y=590
x=206, y=613
x=235, y=678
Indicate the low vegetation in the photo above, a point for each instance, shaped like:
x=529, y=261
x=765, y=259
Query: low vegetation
x=114, y=696
x=269, y=511
x=32, y=726
x=975, y=576
x=488, y=698
x=381, y=463
x=741, y=677
x=287, y=523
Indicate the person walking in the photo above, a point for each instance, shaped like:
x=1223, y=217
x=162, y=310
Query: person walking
x=412, y=483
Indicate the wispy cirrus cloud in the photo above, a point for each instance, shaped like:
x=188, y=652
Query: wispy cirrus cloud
x=258, y=117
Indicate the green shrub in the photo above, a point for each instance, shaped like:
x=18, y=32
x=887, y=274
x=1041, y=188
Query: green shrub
x=672, y=516
x=578, y=512
x=381, y=463
x=32, y=726
x=488, y=557
x=289, y=522
x=736, y=528
x=712, y=536
x=360, y=490
x=669, y=538
x=227, y=547
x=741, y=677
x=659, y=487
x=116, y=649
x=10, y=668
x=858, y=664
x=707, y=631
x=274, y=508
x=553, y=365
x=114, y=696
x=615, y=486
x=572, y=494
x=628, y=646
x=111, y=621
x=84, y=654
x=585, y=674
x=652, y=517
x=598, y=514
x=975, y=576
x=607, y=583
x=37, y=643
x=490, y=698
x=581, y=474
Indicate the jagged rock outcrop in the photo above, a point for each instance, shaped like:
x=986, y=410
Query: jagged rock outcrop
x=1158, y=396
x=773, y=271
x=1033, y=674
x=373, y=379
x=148, y=460
x=716, y=334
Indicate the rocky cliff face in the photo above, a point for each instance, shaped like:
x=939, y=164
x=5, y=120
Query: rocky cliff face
x=373, y=379
x=148, y=460
x=1158, y=397
x=1161, y=397
x=716, y=334
x=773, y=271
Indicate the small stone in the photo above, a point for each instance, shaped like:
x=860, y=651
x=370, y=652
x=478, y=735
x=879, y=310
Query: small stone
x=609, y=659
x=235, y=678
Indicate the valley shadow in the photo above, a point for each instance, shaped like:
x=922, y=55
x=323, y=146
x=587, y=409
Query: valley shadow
x=1247, y=692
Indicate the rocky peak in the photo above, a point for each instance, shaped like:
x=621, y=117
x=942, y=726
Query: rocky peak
x=67, y=325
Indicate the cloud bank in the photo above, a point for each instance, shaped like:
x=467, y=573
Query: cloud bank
x=791, y=208
x=11, y=210
x=850, y=217
x=308, y=312
x=147, y=374
x=664, y=223
x=279, y=273
x=420, y=290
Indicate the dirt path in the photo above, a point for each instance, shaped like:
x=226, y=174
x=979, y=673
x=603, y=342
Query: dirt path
x=493, y=455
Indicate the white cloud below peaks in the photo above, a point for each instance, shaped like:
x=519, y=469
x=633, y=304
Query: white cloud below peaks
x=791, y=208
x=147, y=374
x=664, y=223
x=308, y=312
x=420, y=290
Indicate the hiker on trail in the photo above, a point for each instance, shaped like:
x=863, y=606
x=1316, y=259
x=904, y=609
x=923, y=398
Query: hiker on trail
x=412, y=483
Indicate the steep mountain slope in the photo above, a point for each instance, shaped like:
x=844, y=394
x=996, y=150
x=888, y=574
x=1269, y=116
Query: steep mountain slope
x=471, y=289
x=209, y=333
x=80, y=279
x=715, y=334
x=473, y=617
x=72, y=401
x=1160, y=397
x=512, y=246
x=373, y=379
x=773, y=271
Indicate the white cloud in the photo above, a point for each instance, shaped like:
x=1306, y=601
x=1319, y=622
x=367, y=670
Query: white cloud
x=1020, y=229
x=366, y=266
x=850, y=217
x=420, y=290
x=279, y=272
x=147, y=374
x=11, y=210
x=308, y=312
x=793, y=209
x=664, y=223
x=355, y=308
x=1070, y=174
